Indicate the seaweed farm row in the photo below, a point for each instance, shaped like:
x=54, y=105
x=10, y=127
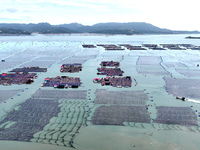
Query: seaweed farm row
x=145, y=46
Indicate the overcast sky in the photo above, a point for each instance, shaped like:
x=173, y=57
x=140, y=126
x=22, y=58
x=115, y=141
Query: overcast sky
x=170, y=14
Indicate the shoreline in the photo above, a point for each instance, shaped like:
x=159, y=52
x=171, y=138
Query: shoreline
x=99, y=34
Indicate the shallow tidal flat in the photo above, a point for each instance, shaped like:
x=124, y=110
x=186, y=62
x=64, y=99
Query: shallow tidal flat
x=146, y=115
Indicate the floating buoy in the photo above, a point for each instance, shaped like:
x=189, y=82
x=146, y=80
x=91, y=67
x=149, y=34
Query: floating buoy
x=150, y=112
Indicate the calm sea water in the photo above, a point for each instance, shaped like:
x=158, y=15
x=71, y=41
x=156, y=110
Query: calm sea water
x=52, y=50
x=134, y=39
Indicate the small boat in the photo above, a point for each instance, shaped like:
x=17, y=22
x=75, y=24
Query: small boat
x=181, y=98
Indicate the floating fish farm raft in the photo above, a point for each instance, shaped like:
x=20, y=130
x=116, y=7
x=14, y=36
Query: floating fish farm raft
x=110, y=71
x=115, y=82
x=175, y=46
x=110, y=63
x=89, y=46
x=62, y=82
x=112, y=81
x=131, y=47
x=145, y=46
x=71, y=68
x=110, y=47
x=17, y=78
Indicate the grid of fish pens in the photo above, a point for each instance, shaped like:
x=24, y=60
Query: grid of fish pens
x=149, y=60
x=8, y=64
x=151, y=70
x=57, y=94
x=77, y=59
x=30, y=117
x=174, y=64
x=189, y=72
x=6, y=94
x=120, y=97
x=116, y=115
x=188, y=88
x=176, y=115
x=41, y=63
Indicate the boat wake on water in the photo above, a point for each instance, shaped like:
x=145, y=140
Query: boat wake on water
x=186, y=99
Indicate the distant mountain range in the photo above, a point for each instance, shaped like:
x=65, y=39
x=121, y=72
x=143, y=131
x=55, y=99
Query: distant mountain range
x=100, y=28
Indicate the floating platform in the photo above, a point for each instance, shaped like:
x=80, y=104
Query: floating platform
x=174, y=46
x=76, y=67
x=62, y=82
x=89, y=46
x=110, y=63
x=111, y=47
x=131, y=47
x=17, y=78
x=110, y=71
x=115, y=82
x=192, y=37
